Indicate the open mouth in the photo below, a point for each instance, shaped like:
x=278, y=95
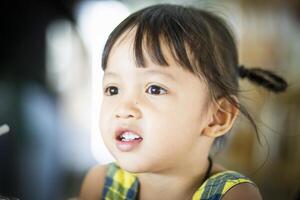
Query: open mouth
x=128, y=136
x=127, y=140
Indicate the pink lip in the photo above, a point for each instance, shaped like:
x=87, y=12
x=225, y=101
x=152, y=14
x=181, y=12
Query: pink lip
x=126, y=146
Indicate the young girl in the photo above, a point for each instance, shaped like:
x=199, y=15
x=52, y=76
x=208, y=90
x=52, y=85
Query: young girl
x=170, y=92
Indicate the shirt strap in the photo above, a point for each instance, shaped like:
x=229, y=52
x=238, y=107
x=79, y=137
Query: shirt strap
x=119, y=184
x=217, y=185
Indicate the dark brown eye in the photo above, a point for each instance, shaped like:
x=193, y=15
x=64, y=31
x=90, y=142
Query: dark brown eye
x=156, y=90
x=111, y=90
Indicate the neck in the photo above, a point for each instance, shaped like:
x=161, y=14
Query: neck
x=179, y=184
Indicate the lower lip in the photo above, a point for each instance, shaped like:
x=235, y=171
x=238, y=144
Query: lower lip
x=126, y=146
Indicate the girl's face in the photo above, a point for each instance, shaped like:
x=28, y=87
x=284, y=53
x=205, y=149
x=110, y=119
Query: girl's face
x=162, y=109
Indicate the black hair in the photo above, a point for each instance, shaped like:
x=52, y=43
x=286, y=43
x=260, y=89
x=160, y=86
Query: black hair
x=200, y=42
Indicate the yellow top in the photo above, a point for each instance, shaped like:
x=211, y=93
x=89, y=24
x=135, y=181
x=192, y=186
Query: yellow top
x=122, y=185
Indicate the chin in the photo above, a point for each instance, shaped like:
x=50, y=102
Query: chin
x=133, y=166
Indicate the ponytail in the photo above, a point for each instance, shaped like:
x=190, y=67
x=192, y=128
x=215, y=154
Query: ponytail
x=263, y=78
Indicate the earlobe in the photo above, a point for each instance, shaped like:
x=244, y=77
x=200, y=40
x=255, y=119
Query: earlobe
x=223, y=116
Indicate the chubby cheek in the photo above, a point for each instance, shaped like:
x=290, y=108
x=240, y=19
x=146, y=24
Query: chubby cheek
x=177, y=125
x=104, y=121
x=170, y=131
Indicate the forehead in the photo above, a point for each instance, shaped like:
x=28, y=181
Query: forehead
x=122, y=57
x=121, y=65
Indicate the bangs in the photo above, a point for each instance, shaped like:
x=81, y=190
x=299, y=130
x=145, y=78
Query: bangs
x=172, y=27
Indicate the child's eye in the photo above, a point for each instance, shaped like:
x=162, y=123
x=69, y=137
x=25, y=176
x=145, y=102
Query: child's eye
x=156, y=90
x=111, y=90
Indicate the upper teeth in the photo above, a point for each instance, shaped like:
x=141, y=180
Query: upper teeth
x=127, y=136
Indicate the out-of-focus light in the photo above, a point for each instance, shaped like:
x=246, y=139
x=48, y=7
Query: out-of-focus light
x=4, y=129
x=96, y=19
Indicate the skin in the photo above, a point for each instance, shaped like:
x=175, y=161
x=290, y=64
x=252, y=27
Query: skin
x=178, y=123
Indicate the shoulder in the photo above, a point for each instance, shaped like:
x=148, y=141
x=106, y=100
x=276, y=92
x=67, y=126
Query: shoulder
x=230, y=185
x=245, y=191
x=237, y=186
x=227, y=185
x=93, y=183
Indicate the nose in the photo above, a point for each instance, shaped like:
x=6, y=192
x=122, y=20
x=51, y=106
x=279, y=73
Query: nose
x=128, y=109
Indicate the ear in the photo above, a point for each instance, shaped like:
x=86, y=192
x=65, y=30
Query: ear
x=223, y=115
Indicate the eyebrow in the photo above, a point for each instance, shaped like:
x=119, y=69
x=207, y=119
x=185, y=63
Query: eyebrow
x=146, y=73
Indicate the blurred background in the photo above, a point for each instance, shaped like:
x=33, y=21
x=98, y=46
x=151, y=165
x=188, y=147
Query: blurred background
x=50, y=93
